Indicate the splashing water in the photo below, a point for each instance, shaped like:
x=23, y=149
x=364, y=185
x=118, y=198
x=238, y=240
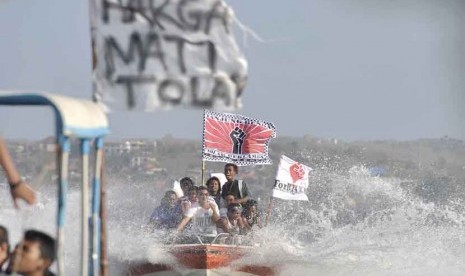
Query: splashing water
x=366, y=226
x=355, y=225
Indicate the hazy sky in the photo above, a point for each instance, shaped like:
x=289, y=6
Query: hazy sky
x=347, y=69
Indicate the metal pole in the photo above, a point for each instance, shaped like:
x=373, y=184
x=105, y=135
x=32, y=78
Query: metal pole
x=96, y=208
x=85, y=149
x=203, y=173
x=103, y=218
x=63, y=155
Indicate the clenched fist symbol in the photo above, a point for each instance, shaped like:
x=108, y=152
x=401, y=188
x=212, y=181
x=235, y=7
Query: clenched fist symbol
x=237, y=137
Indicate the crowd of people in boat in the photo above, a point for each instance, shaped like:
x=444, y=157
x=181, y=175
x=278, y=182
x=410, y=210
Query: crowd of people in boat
x=206, y=211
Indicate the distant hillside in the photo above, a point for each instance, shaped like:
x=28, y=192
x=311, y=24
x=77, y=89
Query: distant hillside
x=437, y=166
x=432, y=168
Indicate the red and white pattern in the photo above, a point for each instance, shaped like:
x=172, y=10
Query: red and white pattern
x=235, y=138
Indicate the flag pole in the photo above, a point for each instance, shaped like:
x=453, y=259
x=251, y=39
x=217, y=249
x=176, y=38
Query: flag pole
x=203, y=148
x=269, y=210
x=203, y=172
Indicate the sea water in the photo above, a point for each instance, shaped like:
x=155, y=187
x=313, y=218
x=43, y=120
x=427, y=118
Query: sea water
x=359, y=225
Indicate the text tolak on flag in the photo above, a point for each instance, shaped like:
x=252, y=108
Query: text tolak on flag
x=235, y=138
x=161, y=54
x=291, y=180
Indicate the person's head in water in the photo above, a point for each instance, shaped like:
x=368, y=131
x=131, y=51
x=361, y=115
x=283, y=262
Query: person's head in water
x=34, y=255
x=186, y=184
x=169, y=199
x=213, y=185
x=4, y=245
x=230, y=171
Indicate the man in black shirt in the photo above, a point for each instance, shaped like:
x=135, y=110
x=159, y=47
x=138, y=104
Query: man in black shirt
x=233, y=186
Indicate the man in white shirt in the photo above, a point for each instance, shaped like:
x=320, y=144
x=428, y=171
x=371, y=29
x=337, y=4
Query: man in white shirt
x=204, y=215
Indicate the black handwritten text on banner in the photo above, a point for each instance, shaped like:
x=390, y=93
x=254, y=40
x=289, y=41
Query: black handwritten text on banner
x=166, y=53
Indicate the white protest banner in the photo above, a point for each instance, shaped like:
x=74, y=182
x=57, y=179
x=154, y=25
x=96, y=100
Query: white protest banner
x=168, y=53
x=291, y=180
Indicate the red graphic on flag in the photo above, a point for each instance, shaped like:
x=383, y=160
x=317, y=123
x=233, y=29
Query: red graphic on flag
x=230, y=136
x=297, y=172
x=217, y=135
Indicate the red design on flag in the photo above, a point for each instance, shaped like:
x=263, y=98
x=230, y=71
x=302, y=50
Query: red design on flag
x=235, y=138
x=297, y=172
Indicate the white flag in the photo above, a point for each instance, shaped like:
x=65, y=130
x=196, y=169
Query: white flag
x=291, y=180
x=177, y=189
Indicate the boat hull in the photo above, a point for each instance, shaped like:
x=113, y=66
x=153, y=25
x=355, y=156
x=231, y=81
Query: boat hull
x=201, y=256
x=203, y=259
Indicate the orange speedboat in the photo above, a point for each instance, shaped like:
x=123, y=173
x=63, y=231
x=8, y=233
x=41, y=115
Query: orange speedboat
x=203, y=259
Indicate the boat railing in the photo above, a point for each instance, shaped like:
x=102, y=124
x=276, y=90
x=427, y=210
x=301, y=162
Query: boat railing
x=221, y=238
x=199, y=239
x=227, y=239
x=225, y=235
